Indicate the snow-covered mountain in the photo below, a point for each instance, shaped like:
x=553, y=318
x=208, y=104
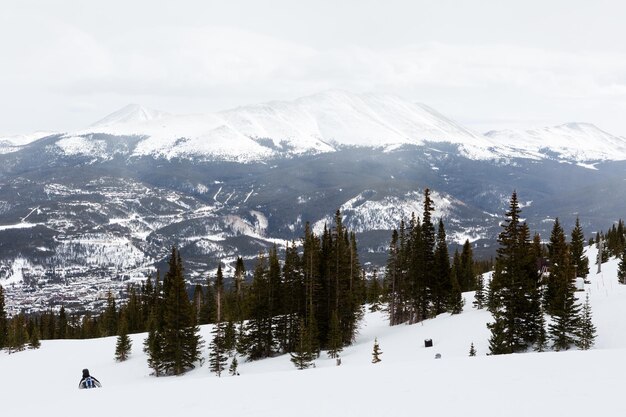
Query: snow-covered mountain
x=315, y=124
x=579, y=142
x=331, y=120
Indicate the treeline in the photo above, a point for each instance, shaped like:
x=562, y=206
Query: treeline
x=420, y=281
x=308, y=302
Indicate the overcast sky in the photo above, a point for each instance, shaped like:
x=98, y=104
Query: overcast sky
x=487, y=64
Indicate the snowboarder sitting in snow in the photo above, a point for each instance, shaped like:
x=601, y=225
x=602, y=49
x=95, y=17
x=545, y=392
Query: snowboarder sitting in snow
x=88, y=381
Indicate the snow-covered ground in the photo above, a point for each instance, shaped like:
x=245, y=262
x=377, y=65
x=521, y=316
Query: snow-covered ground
x=408, y=381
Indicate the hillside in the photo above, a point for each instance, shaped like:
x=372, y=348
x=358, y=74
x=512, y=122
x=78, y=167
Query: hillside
x=408, y=381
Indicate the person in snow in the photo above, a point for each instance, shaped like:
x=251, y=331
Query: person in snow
x=88, y=381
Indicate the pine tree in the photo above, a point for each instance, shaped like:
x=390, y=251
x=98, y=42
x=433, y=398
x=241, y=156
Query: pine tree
x=181, y=341
x=61, y=331
x=304, y=354
x=259, y=330
x=621, y=272
x=294, y=293
x=542, y=337
x=498, y=341
x=513, y=290
x=479, y=295
x=239, y=288
x=577, y=251
x=197, y=303
x=427, y=259
x=153, y=344
x=559, y=268
x=132, y=311
x=416, y=282
x=123, y=345
x=559, y=297
x=219, y=293
x=232, y=369
x=456, y=302
x=18, y=335
x=230, y=337
x=274, y=300
x=466, y=275
x=208, y=308
x=394, y=280
x=4, y=323
x=217, y=356
x=376, y=352
x=537, y=247
x=530, y=292
x=374, y=292
x=109, y=317
x=442, y=281
x=335, y=345
x=587, y=330
x=343, y=283
x=565, y=318
x=562, y=331
x=35, y=342
x=472, y=351
x=242, y=341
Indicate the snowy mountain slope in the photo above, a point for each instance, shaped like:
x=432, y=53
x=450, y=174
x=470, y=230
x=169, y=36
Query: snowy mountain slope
x=345, y=119
x=408, y=381
x=313, y=124
x=578, y=142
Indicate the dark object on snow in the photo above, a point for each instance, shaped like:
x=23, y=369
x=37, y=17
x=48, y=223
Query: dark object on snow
x=88, y=381
x=428, y=342
x=438, y=356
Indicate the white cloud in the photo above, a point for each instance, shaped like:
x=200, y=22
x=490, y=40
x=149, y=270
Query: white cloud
x=66, y=72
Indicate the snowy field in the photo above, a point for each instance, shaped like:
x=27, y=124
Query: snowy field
x=408, y=381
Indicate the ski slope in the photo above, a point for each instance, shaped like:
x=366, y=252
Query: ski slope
x=408, y=381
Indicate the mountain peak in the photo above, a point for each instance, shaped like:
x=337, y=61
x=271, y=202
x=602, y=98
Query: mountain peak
x=131, y=113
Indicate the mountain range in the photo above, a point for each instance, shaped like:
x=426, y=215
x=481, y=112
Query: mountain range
x=107, y=202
